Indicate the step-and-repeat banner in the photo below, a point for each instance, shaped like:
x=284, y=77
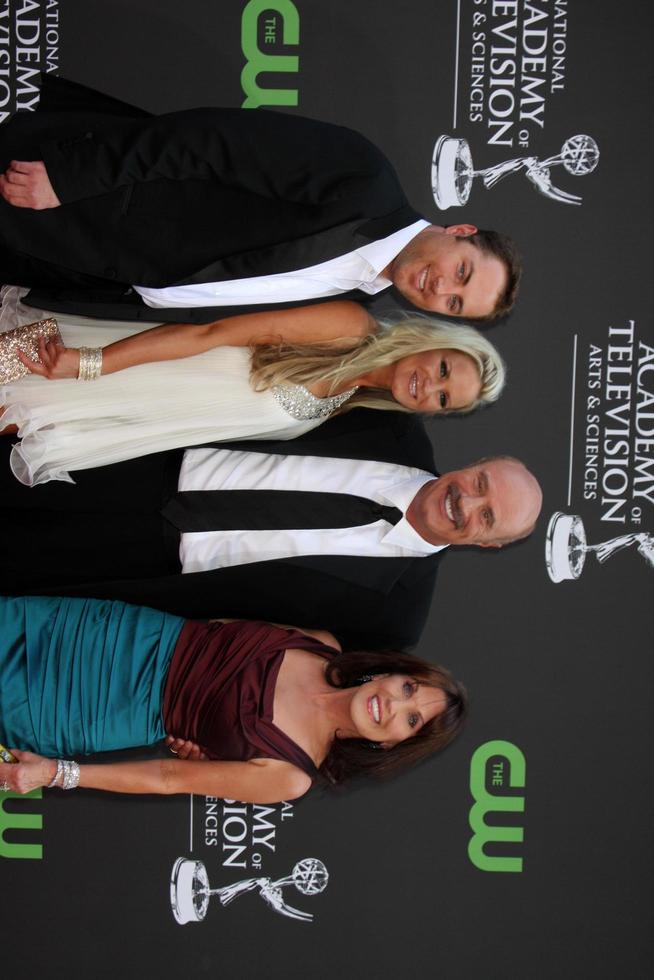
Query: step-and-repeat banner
x=525, y=850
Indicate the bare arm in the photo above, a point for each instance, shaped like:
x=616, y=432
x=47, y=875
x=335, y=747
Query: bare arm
x=301, y=325
x=256, y=781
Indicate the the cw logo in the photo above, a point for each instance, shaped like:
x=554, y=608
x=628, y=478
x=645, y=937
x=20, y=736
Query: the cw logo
x=258, y=61
x=12, y=820
x=507, y=755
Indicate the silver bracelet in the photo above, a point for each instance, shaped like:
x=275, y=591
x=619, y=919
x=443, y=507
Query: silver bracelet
x=71, y=774
x=90, y=363
x=66, y=776
x=55, y=779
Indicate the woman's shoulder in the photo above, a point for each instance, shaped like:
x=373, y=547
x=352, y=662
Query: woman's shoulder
x=324, y=637
x=339, y=319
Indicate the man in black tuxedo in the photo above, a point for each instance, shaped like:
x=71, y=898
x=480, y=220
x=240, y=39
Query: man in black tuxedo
x=354, y=548
x=197, y=215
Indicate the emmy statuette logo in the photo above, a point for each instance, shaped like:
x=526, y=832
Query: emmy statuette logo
x=190, y=891
x=452, y=172
x=566, y=547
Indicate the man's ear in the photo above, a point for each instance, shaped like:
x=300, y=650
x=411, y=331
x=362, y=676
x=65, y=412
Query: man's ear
x=462, y=231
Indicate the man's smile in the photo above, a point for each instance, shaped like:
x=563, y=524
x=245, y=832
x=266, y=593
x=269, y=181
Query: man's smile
x=451, y=506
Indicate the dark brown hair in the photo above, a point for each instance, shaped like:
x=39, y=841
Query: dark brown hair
x=351, y=757
x=503, y=248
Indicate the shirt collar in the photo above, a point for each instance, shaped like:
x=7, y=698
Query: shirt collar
x=403, y=534
x=380, y=253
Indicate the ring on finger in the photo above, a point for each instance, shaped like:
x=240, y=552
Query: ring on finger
x=4, y=787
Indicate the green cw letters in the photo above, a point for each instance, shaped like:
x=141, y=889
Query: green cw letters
x=10, y=820
x=258, y=61
x=486, y=802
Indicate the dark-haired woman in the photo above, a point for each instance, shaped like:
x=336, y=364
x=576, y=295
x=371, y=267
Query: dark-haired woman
x=273, y=708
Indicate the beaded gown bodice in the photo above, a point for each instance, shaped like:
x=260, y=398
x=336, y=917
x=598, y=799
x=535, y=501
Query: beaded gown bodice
x=301, y=404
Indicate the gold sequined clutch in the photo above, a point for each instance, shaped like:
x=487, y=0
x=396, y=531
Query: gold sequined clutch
x=25, y=339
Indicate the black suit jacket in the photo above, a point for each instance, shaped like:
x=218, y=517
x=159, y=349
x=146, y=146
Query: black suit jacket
x=204, y=195
x=374, y=601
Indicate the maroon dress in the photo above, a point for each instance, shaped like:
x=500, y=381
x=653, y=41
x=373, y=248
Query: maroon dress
x=221, y=687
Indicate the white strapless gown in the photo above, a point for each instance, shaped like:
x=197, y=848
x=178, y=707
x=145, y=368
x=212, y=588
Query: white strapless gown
x=75, y=425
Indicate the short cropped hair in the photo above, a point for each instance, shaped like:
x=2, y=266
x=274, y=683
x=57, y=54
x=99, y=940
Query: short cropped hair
x=503, y=248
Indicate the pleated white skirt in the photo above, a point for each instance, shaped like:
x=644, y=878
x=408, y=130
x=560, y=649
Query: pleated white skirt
x=74, y=425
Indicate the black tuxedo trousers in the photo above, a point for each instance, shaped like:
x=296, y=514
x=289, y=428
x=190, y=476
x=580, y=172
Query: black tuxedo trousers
x=107, y=525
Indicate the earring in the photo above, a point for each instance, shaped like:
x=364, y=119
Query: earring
x=365, y=678
x=373, y=745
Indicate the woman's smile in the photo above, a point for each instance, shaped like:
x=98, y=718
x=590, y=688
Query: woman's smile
x=374, y=708
x=435, y=381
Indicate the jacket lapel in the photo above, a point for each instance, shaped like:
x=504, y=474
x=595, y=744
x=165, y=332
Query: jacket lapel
x=306, y=251
x=289, y=256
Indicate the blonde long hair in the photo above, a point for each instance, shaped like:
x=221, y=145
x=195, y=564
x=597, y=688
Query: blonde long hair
x=277, y=364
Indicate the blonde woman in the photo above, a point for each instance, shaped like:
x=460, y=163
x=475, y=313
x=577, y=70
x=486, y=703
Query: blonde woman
x=269, y=375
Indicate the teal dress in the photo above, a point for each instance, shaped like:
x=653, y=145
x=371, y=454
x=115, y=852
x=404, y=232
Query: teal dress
x=82, y=675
